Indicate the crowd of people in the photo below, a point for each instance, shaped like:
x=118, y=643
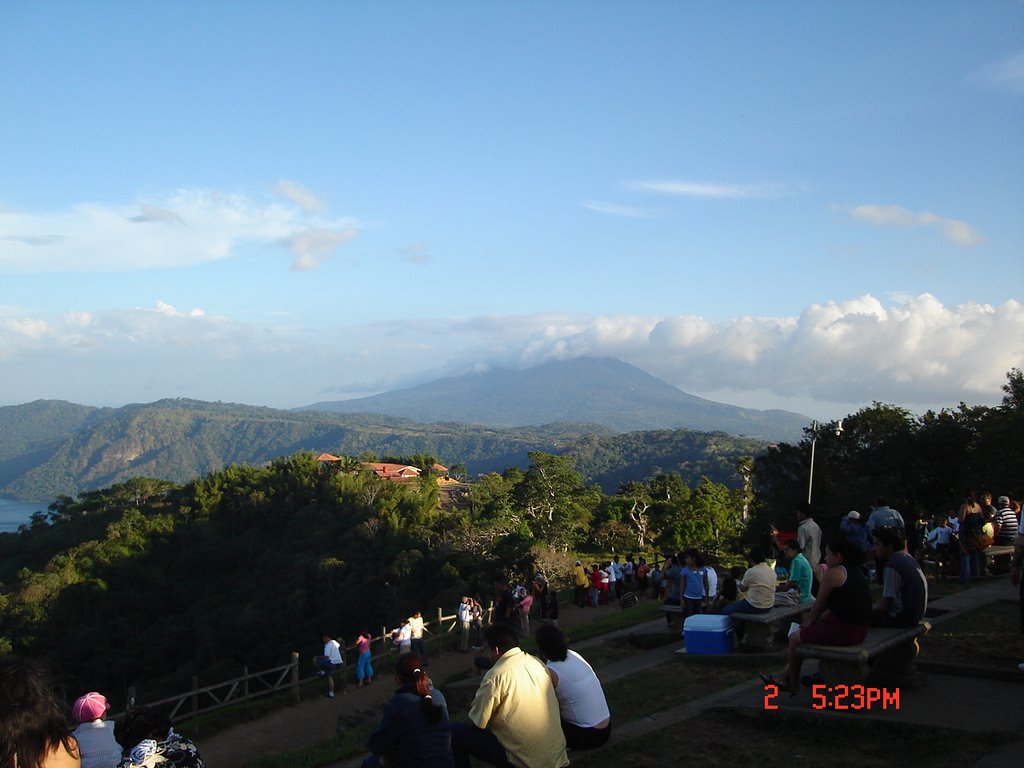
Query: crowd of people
x=35, y=731
x=513, y=604
x=529, y=709
x=612, y=580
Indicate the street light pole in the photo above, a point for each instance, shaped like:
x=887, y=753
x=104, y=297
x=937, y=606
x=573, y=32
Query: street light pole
x=814, y=439
x=810, y=476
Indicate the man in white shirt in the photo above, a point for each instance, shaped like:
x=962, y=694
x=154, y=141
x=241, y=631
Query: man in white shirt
x=464, y=617
x=808, y=536
x=328, y=662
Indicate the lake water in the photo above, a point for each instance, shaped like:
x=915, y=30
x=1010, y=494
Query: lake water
x=15, y=512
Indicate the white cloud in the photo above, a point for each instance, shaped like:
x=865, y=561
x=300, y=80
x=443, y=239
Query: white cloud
x=299, y=195
x=713, y=190
x=618, y=210
x=29, y=327
x=1005, y=74
x=312, y=246
x=166, y=309
x=188, y=227
x=417, y=253
x=959, y=232
x=915, y=352
x=148, y=213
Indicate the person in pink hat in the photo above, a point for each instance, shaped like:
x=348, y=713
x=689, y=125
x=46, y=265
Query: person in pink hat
x=95, y=734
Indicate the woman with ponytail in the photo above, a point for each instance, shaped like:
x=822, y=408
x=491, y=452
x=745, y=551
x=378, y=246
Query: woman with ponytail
x=414, y=728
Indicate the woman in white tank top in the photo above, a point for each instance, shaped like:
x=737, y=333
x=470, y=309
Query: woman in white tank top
x=582, y=707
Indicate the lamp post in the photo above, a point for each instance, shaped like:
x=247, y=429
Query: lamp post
x=810, y=475
x=814, y=440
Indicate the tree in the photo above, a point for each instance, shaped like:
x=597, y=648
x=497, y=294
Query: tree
x=555, y=503
x=639, y=497
x=1014, y=389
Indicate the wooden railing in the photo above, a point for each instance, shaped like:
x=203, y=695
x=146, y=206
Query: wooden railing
x=246, y=687
x=252, y=685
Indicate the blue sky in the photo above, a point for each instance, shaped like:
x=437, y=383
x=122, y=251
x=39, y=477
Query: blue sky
x=795, y=204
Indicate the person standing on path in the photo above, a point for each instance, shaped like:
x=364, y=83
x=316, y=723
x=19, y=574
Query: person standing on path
x=808, y=536
x=327, y=663
x=671, y=575
x=579, y=580
x=476, y=620
x=364, y=664
x=464, y=615
x=419, y=645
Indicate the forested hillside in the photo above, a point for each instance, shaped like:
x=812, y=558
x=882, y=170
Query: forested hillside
x=66, y=449
x=159, y=581
x=634, y=457
x=148, y=582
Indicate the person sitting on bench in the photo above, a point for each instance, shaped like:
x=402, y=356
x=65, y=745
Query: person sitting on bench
x=839, y=616
x=904, y=587
x=759, y=583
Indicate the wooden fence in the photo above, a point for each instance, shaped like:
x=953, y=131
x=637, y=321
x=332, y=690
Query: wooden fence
x=252, y=685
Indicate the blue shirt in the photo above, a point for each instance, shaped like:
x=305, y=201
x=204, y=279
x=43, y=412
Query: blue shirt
x=694, y=581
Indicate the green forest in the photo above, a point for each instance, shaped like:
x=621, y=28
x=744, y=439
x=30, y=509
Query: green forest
x=48, y=447
x=147, y=582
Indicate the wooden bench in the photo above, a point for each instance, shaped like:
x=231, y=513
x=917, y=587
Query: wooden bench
x=991, y=554
x=761, y=630
x=886, y=651
x=996, y=558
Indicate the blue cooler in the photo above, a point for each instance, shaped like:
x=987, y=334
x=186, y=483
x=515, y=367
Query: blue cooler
x=707, y=634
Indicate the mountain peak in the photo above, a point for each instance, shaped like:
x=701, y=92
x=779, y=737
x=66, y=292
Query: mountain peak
x=591, y=390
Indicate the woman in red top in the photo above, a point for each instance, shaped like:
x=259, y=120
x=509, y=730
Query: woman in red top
x=595, y=585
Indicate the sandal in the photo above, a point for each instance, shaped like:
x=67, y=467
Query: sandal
x=770, y=680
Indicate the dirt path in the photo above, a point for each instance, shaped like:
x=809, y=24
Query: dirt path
x=317, y=719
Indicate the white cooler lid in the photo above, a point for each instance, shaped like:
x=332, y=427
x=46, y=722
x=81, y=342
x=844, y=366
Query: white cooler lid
x=705, y=622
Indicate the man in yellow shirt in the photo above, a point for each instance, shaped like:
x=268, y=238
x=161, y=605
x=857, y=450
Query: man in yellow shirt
x=514, y=720
x=580, y=580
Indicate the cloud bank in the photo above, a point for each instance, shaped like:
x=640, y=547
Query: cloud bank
x=915, y=352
